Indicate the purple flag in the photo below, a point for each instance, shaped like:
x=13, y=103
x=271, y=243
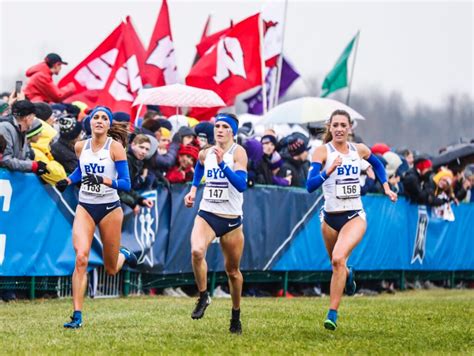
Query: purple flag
x=288, y=76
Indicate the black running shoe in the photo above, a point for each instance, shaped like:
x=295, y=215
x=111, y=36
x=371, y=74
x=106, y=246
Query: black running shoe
x=201, y=305
x=235, y=326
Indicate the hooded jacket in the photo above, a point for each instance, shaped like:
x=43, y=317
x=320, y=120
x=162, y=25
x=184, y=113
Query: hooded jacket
x=40, y=86
x=16, y=153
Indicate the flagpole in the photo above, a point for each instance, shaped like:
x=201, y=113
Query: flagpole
x=280, y=61
x=264, y=86
x=352, y=70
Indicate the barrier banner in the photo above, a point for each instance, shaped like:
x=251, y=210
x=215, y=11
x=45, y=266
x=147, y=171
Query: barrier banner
x=270, y=216
x=399, y=236
x=35, y=229
x=281, y=227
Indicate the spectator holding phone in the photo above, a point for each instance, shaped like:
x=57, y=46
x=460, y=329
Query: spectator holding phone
x=40, y=86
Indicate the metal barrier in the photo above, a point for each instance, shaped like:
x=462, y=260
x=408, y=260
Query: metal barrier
x=130, y=283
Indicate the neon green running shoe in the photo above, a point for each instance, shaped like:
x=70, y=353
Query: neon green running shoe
x=330, y=325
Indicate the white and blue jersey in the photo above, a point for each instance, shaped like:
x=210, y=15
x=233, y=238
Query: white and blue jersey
x=99, y=163
x=342, y=188
x=220, y=196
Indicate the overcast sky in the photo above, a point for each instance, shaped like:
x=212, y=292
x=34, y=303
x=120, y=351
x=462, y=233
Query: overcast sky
x=423, y=49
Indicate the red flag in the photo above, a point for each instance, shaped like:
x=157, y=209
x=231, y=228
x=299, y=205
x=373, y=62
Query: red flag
x=208, y=41
x=160, y=65
x=91, y=75
x=232, y=66
x=125, y=79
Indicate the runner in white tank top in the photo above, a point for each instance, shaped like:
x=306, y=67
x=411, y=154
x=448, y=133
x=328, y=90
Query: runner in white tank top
x=102, y=170
x=343, y=220
x=224, y=167
x=220, y=196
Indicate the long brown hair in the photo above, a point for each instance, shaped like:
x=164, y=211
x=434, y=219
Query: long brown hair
x=119, y=132
x=327, y=134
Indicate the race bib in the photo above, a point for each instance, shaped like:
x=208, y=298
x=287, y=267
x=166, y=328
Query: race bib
x=347, y=188
x=216, y=192
x=93, y=189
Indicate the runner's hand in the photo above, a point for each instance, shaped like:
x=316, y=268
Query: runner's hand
x=219, y=154
x=392, y=195
x=62, y=185
x=92, y=179
x=189, y=200
x=337, y=162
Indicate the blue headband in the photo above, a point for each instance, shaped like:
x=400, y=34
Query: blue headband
x=104, y=109
x=228, y=120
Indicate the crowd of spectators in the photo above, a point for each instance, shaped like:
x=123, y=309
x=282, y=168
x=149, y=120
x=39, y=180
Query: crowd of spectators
x=38, y=133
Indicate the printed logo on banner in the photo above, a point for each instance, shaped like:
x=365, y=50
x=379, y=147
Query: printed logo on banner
x=146, y=228
x=6, y=193
x=419, y=247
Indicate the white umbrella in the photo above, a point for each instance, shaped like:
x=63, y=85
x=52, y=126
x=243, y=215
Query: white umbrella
x=179, y=95
x=305, y=110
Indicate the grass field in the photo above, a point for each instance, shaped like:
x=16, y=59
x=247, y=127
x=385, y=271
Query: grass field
x=439, y=321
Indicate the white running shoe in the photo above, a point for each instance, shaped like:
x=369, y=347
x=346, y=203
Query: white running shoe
x=219, y=293
x=170, y=292
x=181, y=292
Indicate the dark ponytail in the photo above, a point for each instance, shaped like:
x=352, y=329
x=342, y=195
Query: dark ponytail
x=327, y=134
x=119, y=132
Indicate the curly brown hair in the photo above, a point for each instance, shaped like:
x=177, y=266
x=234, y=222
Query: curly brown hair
x=119, y=132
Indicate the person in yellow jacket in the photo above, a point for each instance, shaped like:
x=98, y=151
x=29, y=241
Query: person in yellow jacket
x=39, y=139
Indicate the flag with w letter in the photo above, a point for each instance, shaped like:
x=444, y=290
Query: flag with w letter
x=230, y=66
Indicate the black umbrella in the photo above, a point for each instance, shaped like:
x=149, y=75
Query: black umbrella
x=456, y=156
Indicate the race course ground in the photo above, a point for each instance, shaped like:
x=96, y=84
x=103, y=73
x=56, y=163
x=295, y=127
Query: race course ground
x=437, y=321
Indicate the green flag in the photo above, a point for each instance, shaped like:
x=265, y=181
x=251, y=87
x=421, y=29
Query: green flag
x=337, y=77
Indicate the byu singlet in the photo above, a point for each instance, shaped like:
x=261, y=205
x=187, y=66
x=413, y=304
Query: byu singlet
x=101, y=164
x=342, y=188
x=220, y=196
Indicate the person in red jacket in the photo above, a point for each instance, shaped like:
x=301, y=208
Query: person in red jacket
x=40, y=86
x=183, y=171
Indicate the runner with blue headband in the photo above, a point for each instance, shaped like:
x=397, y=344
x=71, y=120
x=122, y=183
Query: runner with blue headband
x=102, y=171
x=224, y=167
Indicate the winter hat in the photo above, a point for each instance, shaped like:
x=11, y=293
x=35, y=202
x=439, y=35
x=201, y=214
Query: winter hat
x=380, y=148
x=423, y=163
x=254, y=150
x=443, y=174
x=269, y=138
x=23, y=108
x=43, y=111
x=121, y=116
x=165, y=123
x=58, y=107
x=186, y=131
x=393, y=162
x=191, y=150
x=165, y=133
x=296, y=145
x=205, y=129
x=69, y=127
x=35, y=128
